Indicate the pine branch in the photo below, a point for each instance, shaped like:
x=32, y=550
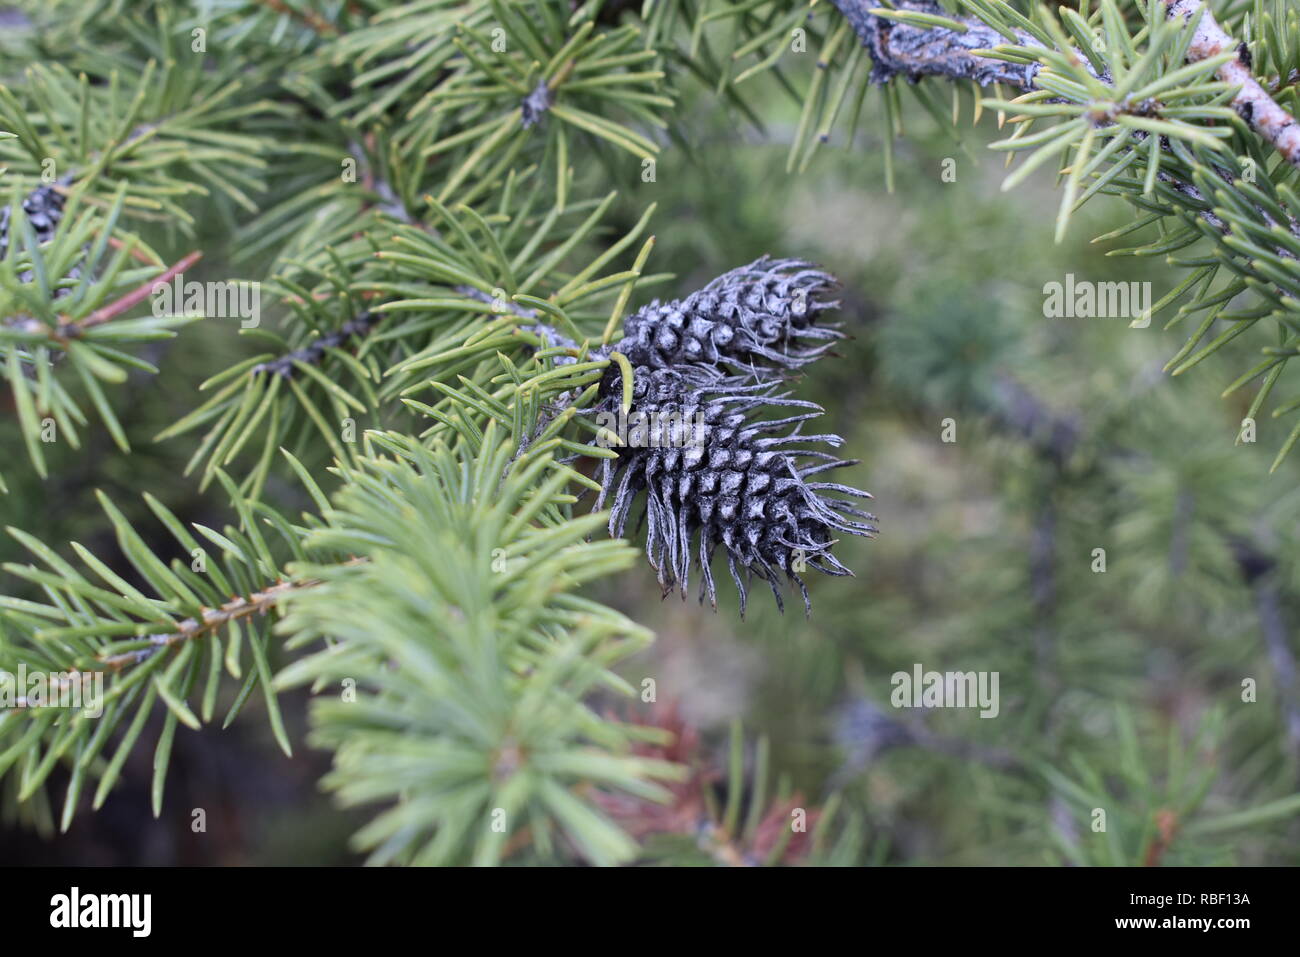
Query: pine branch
x=542, y=330
x=1251, y=101
x=53, y=276
x=947, y=47
x=75, y=329
x=312, y=354
x=471, y=656
x=956, y=48
x=211, y=620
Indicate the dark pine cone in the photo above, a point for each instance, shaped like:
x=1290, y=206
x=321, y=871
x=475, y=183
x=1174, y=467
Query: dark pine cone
x=756, y=317
x=44, y=209
x=733, y=483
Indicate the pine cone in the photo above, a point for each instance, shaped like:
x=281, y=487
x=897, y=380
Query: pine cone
x=701, y=368
x=750, y=318
x=44, y=209
x=732, y=483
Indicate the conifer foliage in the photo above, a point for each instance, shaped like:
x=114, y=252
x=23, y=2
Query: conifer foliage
x=393, y=484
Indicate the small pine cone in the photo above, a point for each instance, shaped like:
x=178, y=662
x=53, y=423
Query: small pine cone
x=43, y=207
x=760, y=316
x=731, y=482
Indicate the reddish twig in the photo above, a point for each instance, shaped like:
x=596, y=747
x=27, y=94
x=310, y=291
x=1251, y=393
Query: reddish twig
x=72, y=330
x=135, y=252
